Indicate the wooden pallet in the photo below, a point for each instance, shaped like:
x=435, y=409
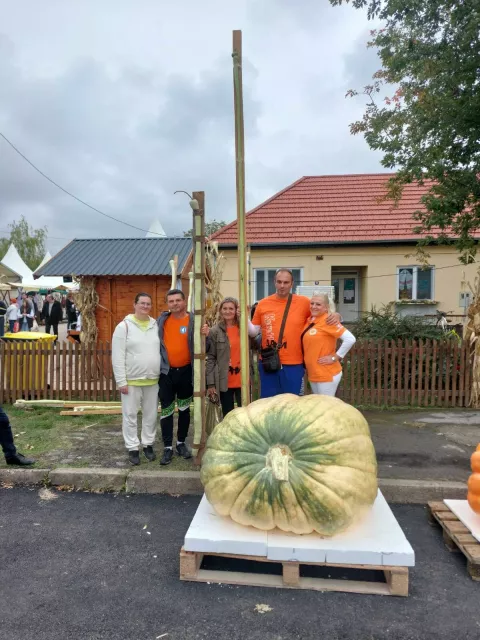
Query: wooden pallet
x=456, y=536
x=396, y=577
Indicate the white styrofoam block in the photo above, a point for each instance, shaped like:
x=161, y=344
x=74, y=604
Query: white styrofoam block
x=466, y=515
x=377, y=540
x=211, y=533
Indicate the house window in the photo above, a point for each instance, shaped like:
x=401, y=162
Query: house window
x=264, y=285
x=415, y=283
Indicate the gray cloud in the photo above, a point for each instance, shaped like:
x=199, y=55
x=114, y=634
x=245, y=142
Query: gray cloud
x=124, y=110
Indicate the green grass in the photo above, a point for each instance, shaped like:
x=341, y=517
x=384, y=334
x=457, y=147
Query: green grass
x=40, y=431
x=84, y=441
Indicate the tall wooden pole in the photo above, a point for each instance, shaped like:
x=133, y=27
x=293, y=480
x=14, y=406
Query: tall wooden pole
x=242, y=236
x=199, y=383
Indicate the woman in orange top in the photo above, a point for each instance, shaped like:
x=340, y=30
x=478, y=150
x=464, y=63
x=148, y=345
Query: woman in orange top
x=319, y=341
x=223, y=357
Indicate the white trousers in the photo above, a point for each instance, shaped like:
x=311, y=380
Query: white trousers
x=147, y=399
x=327, y=388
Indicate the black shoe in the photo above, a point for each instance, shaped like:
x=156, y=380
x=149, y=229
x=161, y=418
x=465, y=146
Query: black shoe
x=134, y=457
x=20, y=460
x=167, y=457
x=183, y=451
x=149, y=453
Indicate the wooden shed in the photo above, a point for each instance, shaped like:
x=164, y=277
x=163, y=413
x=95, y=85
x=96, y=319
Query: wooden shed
x=122, y=268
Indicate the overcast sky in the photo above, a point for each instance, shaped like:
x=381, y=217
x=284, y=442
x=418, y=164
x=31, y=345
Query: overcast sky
x=124, y=101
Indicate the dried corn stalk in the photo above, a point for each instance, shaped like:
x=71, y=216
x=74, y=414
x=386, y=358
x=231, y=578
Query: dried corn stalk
x=86, y=301
x=214, y=265
x=472, y=337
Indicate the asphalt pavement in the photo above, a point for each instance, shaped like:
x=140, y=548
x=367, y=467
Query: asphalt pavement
x=87, y=567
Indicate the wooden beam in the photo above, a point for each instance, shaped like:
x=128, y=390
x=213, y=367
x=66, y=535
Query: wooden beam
x=242, y=237
x=199, y=383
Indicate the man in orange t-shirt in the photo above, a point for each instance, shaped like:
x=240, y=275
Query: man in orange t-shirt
x=175, y=329
x=268, y=319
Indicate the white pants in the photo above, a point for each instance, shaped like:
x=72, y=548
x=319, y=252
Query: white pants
x=327, y=388
x=147, y=398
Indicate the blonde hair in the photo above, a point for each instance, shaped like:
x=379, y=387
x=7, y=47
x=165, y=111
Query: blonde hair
x=325, y=299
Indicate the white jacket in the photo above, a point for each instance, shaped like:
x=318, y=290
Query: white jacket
x=12, y=312
x=135, y=353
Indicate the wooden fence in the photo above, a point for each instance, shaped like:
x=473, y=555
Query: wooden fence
x=409, y=373
x=62, y=371
x=423, y=373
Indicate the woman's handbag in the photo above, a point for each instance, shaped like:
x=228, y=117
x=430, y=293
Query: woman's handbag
x=270, y=356
x=213, y=414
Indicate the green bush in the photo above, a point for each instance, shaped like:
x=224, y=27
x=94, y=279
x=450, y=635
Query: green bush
x=387, y=324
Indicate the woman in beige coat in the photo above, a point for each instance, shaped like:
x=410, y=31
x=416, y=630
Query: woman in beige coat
x=223, y=357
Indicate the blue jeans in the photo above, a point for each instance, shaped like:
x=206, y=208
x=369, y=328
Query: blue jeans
x=287, y=380
x=6, y=436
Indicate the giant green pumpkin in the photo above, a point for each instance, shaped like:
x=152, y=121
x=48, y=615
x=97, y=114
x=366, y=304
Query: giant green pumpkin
x=301, y=464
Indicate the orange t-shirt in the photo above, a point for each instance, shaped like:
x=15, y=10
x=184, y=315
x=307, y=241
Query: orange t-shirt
x=234, y=379
x=175, y=336
x=321, y=340
x=269, y=315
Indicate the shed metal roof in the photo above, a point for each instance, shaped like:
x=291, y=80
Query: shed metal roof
x=118, y=257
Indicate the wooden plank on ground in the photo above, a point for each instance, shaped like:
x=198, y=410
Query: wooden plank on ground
x=396, y=583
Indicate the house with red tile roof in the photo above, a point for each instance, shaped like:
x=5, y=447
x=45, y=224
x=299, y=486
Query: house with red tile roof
x=341, y=231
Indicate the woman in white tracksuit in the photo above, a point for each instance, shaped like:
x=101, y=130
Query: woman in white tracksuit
x=319, y=340
x=136, y=366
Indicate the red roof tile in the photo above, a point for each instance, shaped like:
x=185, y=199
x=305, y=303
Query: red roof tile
x=336, y=209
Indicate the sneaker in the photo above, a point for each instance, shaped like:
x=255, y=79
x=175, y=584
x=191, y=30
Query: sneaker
x=167, y=456
x=149, y=453
x=20, y=460
x=134, y=457
x=183, y=450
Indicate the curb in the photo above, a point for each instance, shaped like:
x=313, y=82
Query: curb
x=188, y=483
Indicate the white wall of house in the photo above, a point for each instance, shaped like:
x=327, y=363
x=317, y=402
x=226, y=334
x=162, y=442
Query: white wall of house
x=382, y=274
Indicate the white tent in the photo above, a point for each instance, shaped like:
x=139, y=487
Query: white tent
x=13, y=261
x=156, y=230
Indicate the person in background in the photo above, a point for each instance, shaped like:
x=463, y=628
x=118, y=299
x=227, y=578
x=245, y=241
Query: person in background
x=71, y=311
x=52, y=314
x=12, y=456
x=136, y=366
x=26, y=315
x=12, y=315
x=319, y=339
x=3, y=313
x=223, y=357
x=175, y=329
x=268, y=320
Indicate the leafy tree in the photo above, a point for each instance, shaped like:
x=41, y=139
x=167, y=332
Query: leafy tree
x=427, y=123
x=210, y=228
x=29, y=242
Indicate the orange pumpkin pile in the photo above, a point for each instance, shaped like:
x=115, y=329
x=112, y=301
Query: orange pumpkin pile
x=473, y=495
